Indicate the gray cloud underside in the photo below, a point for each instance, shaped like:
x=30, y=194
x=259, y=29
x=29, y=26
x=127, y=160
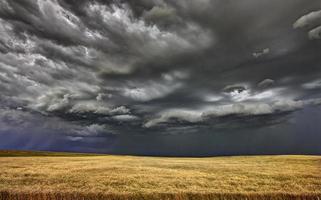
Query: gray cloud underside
x=108, y=67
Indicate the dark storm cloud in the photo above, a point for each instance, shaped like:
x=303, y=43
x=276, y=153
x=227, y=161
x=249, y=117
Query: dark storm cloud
x=101, y=68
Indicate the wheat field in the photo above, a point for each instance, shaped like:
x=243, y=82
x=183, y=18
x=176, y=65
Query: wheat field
x=80, y=176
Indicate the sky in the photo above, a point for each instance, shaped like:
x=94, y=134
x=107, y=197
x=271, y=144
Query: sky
x=161, y=77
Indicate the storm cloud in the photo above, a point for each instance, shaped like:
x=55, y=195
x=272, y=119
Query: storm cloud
x=97, y=75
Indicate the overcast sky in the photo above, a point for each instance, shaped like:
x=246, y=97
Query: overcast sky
x=161, y=77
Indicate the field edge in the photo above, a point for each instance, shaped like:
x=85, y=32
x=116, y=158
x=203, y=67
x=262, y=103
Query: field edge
x=10, y=195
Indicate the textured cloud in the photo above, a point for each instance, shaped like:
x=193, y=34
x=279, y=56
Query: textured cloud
x=262, y=53
x=311, y=20
x=181, y=115
x=125, y=118
x=266, y=83
x=316, y=84
x=238, y=110
x=150, y=90
x=107, y=69
x=24, y=122
x=315, y=33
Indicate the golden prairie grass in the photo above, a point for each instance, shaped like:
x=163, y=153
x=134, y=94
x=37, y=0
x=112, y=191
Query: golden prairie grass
x=129, y=177
x=13, y=153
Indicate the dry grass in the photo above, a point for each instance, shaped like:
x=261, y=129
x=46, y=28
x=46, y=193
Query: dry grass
x=128, y=177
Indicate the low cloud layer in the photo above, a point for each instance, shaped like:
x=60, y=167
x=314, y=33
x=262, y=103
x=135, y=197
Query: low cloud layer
x=94, y=69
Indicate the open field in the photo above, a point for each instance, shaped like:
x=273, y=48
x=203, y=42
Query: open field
x=11, y=153
x=127, y=177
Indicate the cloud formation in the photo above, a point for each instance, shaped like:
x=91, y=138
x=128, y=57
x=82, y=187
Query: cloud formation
x=237, y=110
x=101, y=68
x=312, y=21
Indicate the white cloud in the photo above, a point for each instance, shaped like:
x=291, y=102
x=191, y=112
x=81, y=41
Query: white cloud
x=316, y=84
x=312, y=19
x=60, y=98
x=120, y=110
x=179, y=114
x=125, y=118
x=212, y=98
x=315, y=33
x=97, y=108
x=272, y=94
x=240, y=109
x=103, y=96
x=175, y=75
x=240, y=95
x=150, y=90
x=262, y=53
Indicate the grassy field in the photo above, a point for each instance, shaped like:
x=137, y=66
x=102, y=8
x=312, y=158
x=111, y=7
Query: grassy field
x=11, y=153
x=74, y=176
